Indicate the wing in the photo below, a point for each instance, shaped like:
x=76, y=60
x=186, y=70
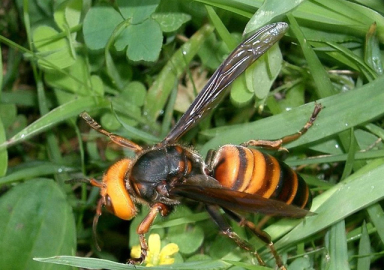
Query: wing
x=234, y=200
x=241, y=58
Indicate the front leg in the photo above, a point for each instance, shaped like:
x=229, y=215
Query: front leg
x=144, y=227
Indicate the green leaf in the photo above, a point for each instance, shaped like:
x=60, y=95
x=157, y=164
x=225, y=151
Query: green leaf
x=301, y=263
x=294, y=97
x=1, y=75
x=141, y=46
x=341, y=16
x=37, y=10
x=128, y=109
x=372, y=53
x=8, y=114
x=33, y=170
x=113, y=72
x=335, y=204
x=134, y=93
x=96, y=30
x=336, y=243
x=221, y=28
x=4, y=152
x=77, y=80
x=323, y=83
x=72, y=12
x=19, y=97
x=248, y=266
x=262, y=74
x=137, y=10
x=221, y=246
x=240, y=93
x=61, y=113
x=109, y=122
x=329, y=16
x=237, y=7
x=212, y=51
x=54, y=49
x=97, y=86
x=351, y=56
x=3, y=138
x=363, y=262
x=160, y=90
x=92, y=263
x=170, y=22
x=268, y=12
x=188, y=240
x=376, y=214
x=36, y=221
x=68, y=14
x=373, y=4
x=366, y=139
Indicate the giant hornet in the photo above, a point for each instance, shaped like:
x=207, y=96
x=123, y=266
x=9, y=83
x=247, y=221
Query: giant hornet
x=235, y=178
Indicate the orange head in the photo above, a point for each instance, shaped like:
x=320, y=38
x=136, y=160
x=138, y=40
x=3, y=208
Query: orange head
x=114, y=194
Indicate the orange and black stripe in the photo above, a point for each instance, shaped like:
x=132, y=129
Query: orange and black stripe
x=254, y=172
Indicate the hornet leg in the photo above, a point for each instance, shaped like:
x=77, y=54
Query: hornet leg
x=260, y=234
x=226, y=229
x=277, y=144
x=144, y=227
x=115, y=138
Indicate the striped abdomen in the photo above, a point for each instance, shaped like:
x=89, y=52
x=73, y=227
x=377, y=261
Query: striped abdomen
x=251, y=171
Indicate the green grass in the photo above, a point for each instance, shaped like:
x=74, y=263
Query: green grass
x=129, y=67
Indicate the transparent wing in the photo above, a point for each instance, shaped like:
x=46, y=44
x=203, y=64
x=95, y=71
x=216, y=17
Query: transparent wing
x=238, y=61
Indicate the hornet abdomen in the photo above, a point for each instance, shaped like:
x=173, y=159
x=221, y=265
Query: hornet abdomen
x=254, y=172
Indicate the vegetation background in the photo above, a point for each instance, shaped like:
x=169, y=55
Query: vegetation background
x=135, y=66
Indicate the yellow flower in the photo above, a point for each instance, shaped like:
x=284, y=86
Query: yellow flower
x=155, y=256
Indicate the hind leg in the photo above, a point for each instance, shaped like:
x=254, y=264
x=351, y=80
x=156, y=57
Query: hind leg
x=259, y=233
x=278, y=144
x=226, y=229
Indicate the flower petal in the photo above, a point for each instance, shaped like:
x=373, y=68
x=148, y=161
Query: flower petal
x=169, y=249
x=166, y=261
x=167, y=252
x=136, y=251
x=154, y=243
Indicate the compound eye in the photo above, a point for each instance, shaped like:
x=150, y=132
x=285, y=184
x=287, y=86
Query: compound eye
x=108, y=204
